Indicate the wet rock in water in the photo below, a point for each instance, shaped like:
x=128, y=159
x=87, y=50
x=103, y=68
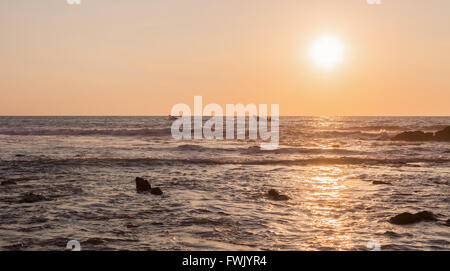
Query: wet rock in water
x=275, y=195
x=381, y=182
x=8, y=182
x=408, y=218
x=414, y=136
x=156, y=191
x=443, y=135
x=142, y=185
x=31, y=197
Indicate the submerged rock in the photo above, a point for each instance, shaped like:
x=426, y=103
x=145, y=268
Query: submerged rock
x=156, y=191
x=31, y=197
x=408, y=218
x=442, y=135
x=381, y=182
x=275, y=195
x=142, y=185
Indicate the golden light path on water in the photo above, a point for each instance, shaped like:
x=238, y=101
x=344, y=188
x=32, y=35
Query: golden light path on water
x=322, y=200
x=326, y=193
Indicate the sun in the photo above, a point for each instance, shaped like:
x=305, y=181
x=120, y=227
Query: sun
x=326, y=52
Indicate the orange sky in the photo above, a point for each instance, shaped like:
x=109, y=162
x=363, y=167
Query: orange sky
x=140, y=57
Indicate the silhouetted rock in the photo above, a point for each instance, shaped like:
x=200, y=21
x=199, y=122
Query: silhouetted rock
x=31, y=197
x=156, y=191
x=142, y=185
x=408, y=218
x=8, y=182
x=414, y=136
x=381, y=182
x=275, y=195
x=443, y=135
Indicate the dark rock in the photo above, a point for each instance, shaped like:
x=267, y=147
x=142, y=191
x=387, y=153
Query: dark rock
x=31, y=197
x=414, y=136
x=20, y=155
x=447, y=223
x=275, y=195
x=381, y=182
x=8, y=182
x=142, y=185
x=443, y=135
x=408, y=218
x=156, y=191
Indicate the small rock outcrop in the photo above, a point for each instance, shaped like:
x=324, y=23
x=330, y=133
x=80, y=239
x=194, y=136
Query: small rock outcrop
x=408, y=218
x=275, y=195
x=142, y=185
x=31, y=198
x=442, y=135
x=156, y=191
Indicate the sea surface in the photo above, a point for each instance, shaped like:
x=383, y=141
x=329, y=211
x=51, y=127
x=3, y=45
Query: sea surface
x=215, y=191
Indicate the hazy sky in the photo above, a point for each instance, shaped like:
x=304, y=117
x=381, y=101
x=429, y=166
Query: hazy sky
x=140, y=57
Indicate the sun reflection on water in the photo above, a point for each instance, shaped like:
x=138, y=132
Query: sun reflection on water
x=325, y=201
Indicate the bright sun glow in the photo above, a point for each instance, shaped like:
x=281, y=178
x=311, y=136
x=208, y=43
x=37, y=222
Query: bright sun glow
x=326, y=52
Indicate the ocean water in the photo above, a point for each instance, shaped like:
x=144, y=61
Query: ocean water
x=215, y=192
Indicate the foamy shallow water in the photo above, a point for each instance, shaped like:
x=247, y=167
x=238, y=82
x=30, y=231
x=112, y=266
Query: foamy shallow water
x=215, y=191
